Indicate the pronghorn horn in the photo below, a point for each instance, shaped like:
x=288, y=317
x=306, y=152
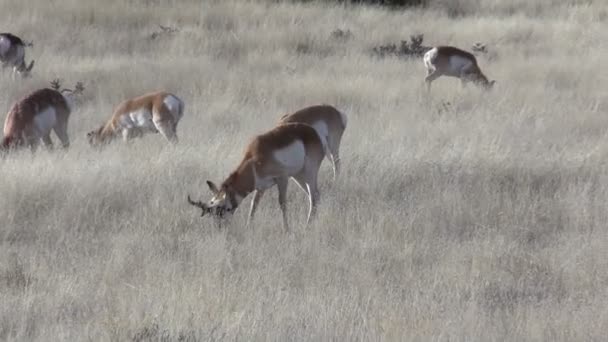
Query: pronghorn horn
x=199, y=204
x=79, y=88
x=56, y=84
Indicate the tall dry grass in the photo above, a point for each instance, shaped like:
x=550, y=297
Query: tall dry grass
x=483, y=220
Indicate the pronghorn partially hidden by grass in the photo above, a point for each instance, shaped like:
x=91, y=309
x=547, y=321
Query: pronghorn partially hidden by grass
x=154, y=112
x=454, y=62
x=291, y=150
x=12, y=54
x=32, y=118
x=329, y=124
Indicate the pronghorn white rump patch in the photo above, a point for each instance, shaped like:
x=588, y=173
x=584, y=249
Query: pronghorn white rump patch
x=46, y=120
x=5, y=45
x=292, y=156
x=429, y=57
x=173, y=104
x=321, y=128
x=322, y=131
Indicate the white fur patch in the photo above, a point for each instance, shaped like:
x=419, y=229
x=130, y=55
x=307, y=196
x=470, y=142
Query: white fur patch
x=173, y=104
x=429, y=56
x=458, y=63
x=291, y=157
x=46, y=120
x=141, y=118
x=5, y=45
x=321, y=128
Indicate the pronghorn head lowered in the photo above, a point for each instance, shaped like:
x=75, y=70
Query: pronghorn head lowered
x=95, y=137
x=225, y=200
x=25, y=70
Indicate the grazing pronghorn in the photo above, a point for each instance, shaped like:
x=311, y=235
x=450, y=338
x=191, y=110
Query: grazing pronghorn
x=12, y=54
x=291, y=150
x=32, y=118
x=150, y=113
x=453, y=62
x=329, y=124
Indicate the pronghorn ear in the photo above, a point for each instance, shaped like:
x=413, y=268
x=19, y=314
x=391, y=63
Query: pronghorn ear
x=212, y=187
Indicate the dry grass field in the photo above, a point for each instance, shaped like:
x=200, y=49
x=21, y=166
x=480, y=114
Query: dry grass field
x=482, y=220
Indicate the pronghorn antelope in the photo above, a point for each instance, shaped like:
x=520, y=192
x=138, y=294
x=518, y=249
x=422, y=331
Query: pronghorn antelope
x=150, y=113
x=12, y=54
x=454, y=62
x=32, y=118
x=291, y=150
x=329, y=124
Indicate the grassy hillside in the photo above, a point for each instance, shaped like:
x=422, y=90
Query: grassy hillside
x=482, y=219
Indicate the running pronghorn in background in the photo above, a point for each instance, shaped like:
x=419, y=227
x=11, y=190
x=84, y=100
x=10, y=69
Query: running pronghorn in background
x=453, y=62
x=12, y=54
x=329, y=124
x=150, y=113
x=292, y=150
x=32, y=118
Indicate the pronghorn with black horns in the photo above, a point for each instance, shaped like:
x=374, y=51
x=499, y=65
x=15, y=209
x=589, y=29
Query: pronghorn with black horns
x=154, y=112
x=32, y=118
x=329, y=124
x=453, y=62
x=12, y=54
x=291, y=150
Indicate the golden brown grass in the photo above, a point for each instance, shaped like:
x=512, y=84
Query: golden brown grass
x=483, y=220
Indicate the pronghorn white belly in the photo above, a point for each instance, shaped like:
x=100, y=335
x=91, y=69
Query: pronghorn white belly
x=141, y=118
x=173, y=104
x=291, y=157
x=458, y=63
x=5, y=45
x=46, y=120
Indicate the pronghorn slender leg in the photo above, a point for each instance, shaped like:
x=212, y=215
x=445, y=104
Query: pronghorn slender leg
x=335, y=160
x=33, y=144
x=127, y=134
x=167, y=129
x=48, y=143
x=254, y=205
x=282, y=186
x=61, y=130
x=432, y=75
x=309, y=185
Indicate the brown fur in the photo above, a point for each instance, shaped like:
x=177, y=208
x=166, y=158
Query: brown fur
x=19, y=126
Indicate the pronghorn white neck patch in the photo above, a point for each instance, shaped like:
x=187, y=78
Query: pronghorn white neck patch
x=292, y=156
x=5, y=45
